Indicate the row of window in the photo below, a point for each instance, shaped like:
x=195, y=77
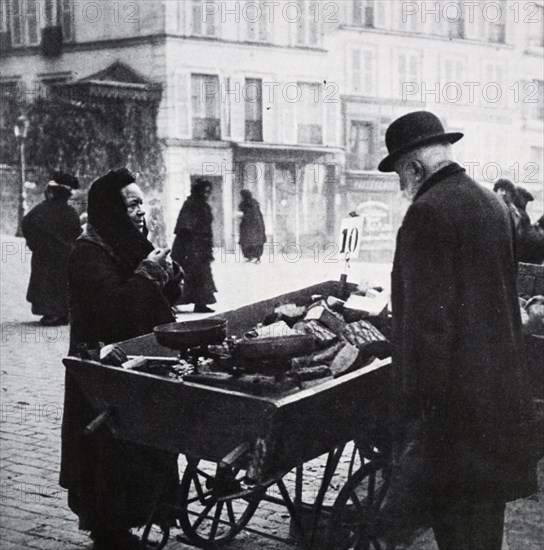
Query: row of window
x=259, y=19
x=24, y=19
x=206, y=109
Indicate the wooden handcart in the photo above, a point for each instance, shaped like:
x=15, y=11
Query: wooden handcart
x=239, y=446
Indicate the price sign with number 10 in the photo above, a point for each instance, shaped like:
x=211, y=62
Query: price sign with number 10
x=350, y=237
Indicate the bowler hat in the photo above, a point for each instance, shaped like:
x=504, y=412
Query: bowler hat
x=411, y=131
x=505, y=184
x=524, y=194
x=67, y=181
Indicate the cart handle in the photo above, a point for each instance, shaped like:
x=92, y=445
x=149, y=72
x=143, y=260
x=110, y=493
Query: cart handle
x=93, y=426
x=232, y=458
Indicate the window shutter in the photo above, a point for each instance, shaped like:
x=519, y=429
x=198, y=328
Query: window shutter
x=380, y=14
x=237, y=107
x=225, y=107
x=356, y=72
x=271, y=113
x=182, y=105
x=330, y=133
x=368, y=72
x=289, y=118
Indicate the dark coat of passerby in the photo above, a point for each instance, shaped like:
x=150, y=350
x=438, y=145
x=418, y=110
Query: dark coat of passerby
x=252, y=230
x=50, y=230
x=458, y=349
x=193, y=247
x=120, y=288
x=530, y=245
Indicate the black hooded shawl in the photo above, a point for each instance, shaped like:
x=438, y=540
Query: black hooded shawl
x=108, y=216
x=115, y=294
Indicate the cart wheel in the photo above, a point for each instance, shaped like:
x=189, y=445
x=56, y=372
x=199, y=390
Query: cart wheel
x=215, y=508
x=352, y=520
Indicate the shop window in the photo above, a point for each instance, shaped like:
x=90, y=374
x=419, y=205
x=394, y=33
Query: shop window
x=206, y=107
x=360, y=156
x=253, y=99
x=310, y=114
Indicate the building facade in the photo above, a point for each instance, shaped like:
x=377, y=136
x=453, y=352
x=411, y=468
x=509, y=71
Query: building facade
x=291, y=99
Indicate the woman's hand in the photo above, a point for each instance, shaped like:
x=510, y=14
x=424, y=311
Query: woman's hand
x=159, y=255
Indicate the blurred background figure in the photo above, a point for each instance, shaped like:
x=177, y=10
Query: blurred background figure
x=508, y=192
x=156, y=224
x=193, y=247
x=522, y=198
x=50, y=230
x=252, y=230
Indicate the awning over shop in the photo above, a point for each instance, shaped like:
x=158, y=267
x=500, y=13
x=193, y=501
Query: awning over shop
x=118, y=81
x=267, y=152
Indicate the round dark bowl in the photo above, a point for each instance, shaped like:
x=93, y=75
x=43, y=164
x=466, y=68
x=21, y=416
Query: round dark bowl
x=190, y=334
x=280, y=348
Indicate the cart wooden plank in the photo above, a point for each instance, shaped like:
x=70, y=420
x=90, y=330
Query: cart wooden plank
x=209, y=422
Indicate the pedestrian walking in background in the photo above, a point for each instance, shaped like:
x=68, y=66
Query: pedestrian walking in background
x=120, y=288
x=530, y=242
x=50, y=230
x=465, y=422
x=193, y=247
x=252, y=230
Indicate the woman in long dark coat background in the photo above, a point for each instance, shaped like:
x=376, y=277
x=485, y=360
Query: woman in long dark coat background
x=120, y=287
x=252, y=230
x=193, y=247
x=51, y=229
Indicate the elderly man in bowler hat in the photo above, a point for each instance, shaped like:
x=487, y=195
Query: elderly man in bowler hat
x=458, y=351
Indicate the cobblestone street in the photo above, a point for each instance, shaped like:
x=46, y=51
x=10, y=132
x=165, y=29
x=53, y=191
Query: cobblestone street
x=34, y=512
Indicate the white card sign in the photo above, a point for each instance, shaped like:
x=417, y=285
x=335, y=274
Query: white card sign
x=349, y=241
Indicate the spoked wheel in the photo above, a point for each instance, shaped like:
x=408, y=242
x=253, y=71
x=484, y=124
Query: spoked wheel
x=215, y=507
x=352, y=521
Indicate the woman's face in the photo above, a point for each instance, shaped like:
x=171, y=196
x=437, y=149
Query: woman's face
x=134, y=200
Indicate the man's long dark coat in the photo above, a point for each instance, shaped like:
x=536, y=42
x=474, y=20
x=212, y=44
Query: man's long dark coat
x=458, y=349
x=50, y=230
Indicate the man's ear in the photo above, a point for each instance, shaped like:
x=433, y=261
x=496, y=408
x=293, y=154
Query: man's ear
x=418, y=170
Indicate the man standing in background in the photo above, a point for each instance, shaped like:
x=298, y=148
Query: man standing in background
x=51, y=229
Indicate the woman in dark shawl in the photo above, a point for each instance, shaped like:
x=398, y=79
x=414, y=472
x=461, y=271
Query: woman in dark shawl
x=51, y=229
x=120, y=287
x=252, y=230
x=193, y=247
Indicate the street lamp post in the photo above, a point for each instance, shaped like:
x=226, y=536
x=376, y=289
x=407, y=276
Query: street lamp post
x=21, y=130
